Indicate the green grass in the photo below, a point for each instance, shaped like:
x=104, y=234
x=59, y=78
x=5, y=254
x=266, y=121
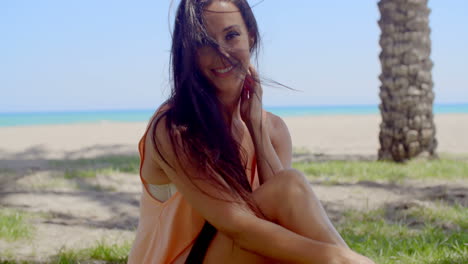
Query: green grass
x=346, y=171
x=115, y=253
x=129, y=164
x=101, y=252
x=395, y=242
x=14, y=226
x=13, y=262
x=85, y=174
x=83, y=169
x=56, y=181
x=82, y=174
x=66, y=256
x=440, y=216
x=90, y=168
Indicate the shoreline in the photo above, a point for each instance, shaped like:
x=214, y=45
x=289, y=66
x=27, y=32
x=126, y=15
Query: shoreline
x=346, y=135
x=27, y=118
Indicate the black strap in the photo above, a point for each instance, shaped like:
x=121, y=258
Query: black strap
x=201, y=244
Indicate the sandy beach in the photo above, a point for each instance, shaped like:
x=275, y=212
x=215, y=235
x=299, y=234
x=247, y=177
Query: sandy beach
x=330, y=135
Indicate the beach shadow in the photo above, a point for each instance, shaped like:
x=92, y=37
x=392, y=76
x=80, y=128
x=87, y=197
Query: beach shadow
x=400, y=213
x=121, y=221
x=334, y=210
x=40, y=152
x=102, y=196
x=113, y=197
x=14, y=166
x=35, y=159
x=36, y=152
x=97, y=151
x=322, y=157
x=114, y=202
x=449, y=194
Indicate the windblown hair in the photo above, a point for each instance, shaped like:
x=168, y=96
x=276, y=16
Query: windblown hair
x=194, y=111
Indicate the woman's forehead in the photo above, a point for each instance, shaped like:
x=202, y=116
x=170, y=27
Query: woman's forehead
x=219, y=6
x=220, y=15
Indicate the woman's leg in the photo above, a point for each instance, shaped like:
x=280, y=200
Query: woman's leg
x=288, y=200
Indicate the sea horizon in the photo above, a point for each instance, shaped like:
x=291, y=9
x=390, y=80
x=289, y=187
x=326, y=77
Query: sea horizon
x=28, y=118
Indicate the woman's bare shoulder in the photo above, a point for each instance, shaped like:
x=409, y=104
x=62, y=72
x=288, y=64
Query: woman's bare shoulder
x=151, y=169
x=276, y=125
x=280, y=138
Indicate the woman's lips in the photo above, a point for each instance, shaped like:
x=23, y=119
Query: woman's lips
x=223, y=72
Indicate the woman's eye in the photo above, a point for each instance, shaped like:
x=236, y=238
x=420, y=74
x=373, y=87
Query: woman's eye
x=232, y=35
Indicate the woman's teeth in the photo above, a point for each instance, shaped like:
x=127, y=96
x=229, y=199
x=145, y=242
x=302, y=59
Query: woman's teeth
x=224, y=70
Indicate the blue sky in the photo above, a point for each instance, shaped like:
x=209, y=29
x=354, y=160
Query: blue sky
x=111, y=54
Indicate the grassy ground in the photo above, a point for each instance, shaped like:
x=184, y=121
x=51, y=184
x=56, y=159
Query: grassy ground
x=113, y=253
x=373, y=235
x=130, y=164
x=13, y=225
x=99, y=253
x=344, y=171
x=413, y=233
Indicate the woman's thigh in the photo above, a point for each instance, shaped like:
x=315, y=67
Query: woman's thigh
x=223, y=250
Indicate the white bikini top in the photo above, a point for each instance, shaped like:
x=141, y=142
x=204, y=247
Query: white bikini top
x=162, y=192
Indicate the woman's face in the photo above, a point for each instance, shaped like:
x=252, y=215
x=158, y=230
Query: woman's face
x=225, y=24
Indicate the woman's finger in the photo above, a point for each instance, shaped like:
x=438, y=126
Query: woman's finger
x=244, y=91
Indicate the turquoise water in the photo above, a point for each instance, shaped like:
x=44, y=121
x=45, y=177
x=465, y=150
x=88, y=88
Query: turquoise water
x=49, y=118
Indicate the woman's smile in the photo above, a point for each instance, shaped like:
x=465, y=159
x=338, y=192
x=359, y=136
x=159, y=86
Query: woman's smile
x=223, y=72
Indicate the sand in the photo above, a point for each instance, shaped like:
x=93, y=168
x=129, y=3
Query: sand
x=332, y=135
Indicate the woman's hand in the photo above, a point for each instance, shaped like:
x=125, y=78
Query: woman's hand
x=251, y=99
x=351, y=257
x=268, y=162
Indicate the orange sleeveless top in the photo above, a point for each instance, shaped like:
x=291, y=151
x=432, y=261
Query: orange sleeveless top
x=167, y=230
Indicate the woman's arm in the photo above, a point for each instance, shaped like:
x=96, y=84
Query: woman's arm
x=271, y=159
x=273, y=146
x=280, y=139
x=235, y=219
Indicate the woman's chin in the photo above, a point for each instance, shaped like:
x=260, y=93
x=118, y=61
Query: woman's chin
x=229, y=90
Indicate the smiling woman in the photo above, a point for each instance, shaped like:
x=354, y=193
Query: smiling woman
x=227, y=28
x=215, y=167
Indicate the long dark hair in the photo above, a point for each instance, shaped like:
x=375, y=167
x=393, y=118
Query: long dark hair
x=194, y=110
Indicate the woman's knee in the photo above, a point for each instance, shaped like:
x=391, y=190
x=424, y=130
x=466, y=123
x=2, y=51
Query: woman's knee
x=284, y=189
x=292, y=185
x=292, y=176
x=287, y=182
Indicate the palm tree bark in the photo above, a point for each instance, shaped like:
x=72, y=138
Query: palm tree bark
x=406, y=90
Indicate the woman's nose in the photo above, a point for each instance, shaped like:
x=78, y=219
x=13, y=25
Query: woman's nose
x=224, y=50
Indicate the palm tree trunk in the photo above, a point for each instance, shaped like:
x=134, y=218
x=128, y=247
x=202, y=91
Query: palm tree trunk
x=406, y=94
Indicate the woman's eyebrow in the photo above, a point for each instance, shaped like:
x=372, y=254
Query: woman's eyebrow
x=230, y=27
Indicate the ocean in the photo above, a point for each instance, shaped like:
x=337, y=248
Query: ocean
x=52, y=118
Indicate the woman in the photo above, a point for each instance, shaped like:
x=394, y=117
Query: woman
x=213, y=159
